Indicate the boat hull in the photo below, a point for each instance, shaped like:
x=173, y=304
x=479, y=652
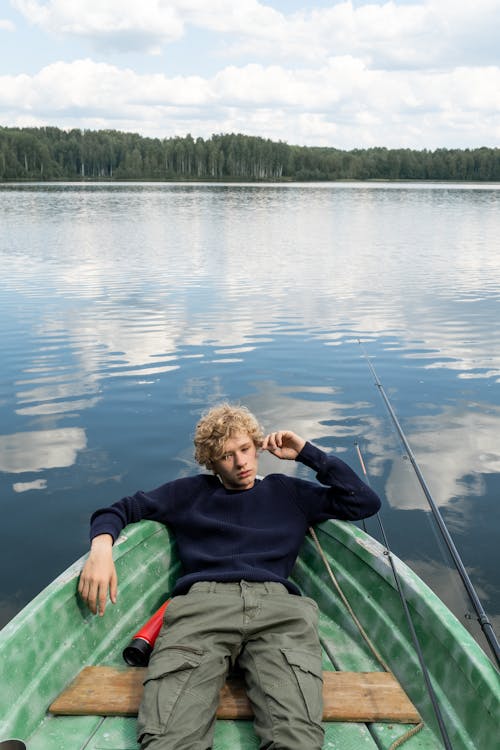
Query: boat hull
x=48, y=643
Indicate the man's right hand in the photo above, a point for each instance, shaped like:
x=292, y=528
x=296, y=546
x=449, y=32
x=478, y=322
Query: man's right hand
x=99, y=575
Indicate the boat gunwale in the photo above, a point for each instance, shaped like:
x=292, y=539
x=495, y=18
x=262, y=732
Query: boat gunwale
x=473, y=662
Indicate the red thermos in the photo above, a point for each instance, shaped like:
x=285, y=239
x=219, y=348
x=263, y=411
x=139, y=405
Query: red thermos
x=139, y=649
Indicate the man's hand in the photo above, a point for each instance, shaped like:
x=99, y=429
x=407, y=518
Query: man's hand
x=283, y=444
x=99, y=575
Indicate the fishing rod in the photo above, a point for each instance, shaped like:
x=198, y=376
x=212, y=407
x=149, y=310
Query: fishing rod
x=409, y=621
x=482, y=617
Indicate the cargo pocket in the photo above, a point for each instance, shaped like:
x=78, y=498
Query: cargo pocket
x=308, y=672
x=166, y=679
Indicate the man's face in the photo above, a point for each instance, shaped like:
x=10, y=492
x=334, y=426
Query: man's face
x=237, y=467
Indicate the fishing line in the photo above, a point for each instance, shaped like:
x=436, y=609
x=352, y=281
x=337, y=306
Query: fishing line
x=411, y=627
x=482, y=617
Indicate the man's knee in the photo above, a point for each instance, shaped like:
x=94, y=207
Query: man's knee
x=293, y=737
x=180, y=698
x=286, y=690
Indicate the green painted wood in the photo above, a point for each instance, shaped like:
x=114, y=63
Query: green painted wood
x=48, y=643
x=53, y=734
x=114, y=734
x=344, y=649
x=466, y=682
x=44, y=647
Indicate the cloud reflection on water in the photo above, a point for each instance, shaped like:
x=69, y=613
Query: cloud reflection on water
x=185, y=294
x=455, y=449
x=139, y=317
x=43, y=449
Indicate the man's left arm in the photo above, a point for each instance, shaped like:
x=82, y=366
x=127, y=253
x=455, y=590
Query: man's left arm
x=343, y=493
x=284, y=444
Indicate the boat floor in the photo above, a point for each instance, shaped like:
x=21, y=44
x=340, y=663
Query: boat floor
x=341, y=650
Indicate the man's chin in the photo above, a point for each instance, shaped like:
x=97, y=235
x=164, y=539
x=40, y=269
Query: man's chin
x=247, y=481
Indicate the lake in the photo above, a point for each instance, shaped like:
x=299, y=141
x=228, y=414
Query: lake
x=128, y=309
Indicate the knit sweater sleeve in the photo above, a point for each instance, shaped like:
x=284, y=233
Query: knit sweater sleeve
x=340, y=493
x=155, y=505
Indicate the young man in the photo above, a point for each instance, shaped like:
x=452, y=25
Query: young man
x=238, y=537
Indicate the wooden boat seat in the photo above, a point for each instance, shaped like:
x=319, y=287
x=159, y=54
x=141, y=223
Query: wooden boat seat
x=347, y=696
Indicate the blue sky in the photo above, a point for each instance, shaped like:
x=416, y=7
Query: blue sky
x=406, y=73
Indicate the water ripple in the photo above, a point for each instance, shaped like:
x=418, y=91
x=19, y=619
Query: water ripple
x=127, y=309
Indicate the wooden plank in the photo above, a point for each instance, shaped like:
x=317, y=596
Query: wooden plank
x=347, y=696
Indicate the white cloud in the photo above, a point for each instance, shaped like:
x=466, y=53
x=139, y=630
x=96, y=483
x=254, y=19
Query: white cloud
x=162, y=19
x=420, y=34
x=144, y=26
x=6, y=25
x=372, y=32
x=388, y=35
x=247, y=17
x=418, y=75
x=97, y=89
x=342, y=103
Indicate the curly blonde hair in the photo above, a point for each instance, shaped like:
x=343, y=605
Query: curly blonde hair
x=218, y=425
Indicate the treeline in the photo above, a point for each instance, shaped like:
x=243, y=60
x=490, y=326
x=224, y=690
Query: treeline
x=49, y=153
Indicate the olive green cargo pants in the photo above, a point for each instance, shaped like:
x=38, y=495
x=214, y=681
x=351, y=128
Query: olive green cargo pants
x=274, y=637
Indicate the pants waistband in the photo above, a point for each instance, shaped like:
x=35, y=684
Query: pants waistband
x=233, y=587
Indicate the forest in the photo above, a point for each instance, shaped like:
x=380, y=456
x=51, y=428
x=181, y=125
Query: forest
x=50, y=153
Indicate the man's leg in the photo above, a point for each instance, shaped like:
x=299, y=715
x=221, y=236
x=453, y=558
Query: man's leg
x=187, y=670
x=283, y=672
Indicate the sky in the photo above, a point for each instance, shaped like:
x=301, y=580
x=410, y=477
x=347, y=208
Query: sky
x=400, y=74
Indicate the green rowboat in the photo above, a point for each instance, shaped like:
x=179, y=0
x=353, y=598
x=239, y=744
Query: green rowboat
x=55, y=636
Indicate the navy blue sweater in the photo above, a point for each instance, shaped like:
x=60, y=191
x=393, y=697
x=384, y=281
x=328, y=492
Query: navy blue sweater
x=253, y=535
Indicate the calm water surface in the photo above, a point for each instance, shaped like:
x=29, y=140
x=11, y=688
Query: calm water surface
x=127, y=309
